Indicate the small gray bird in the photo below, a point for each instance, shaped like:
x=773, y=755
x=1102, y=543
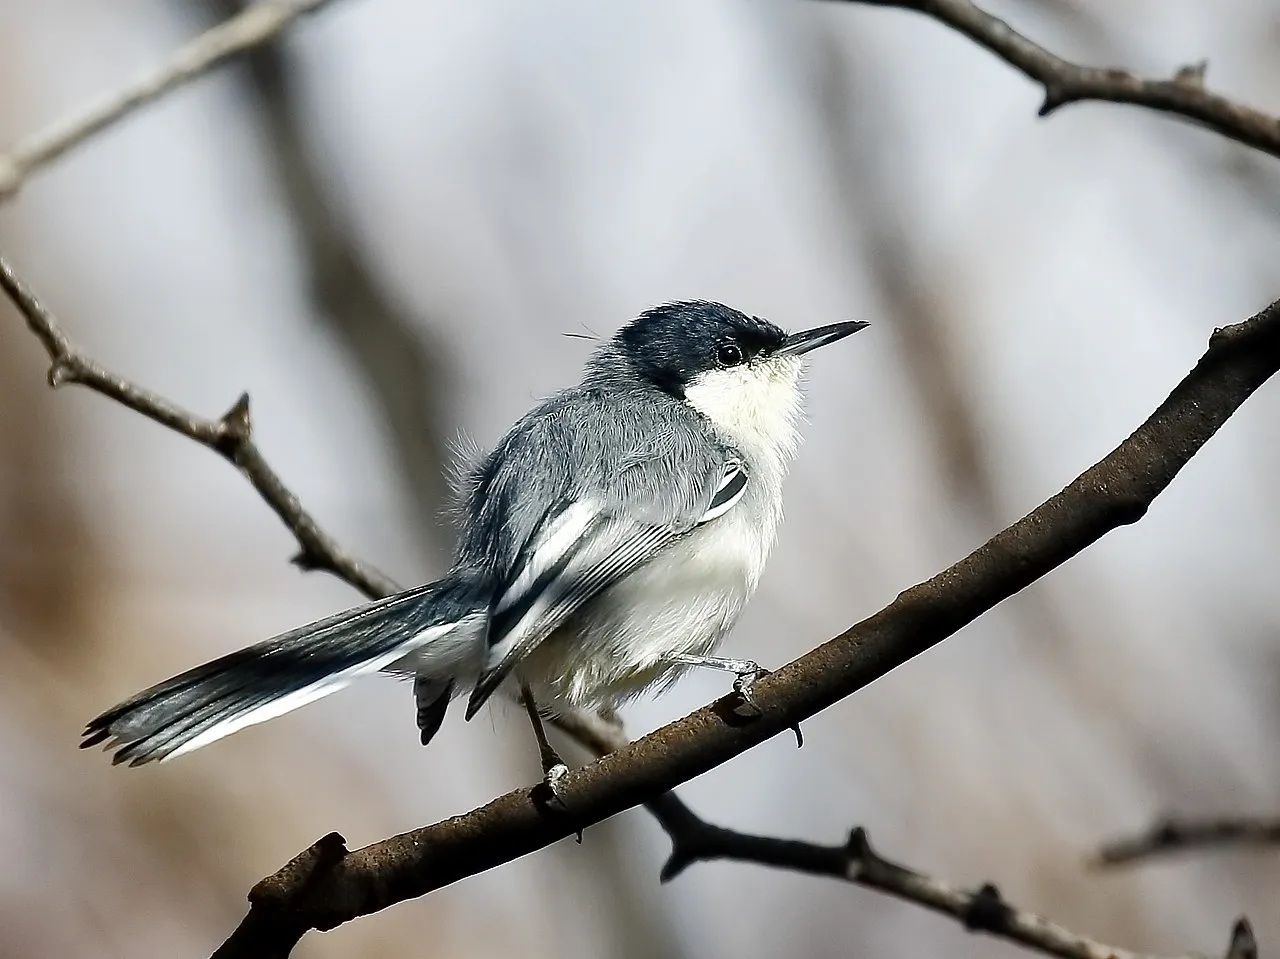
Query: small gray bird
x=608, y=543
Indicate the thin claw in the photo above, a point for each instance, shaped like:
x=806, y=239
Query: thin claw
x=556, y=773
x=550, y=789
x=799, y=736
x=743, y=686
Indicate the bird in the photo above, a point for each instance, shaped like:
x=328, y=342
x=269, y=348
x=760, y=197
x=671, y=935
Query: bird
x=607, y=544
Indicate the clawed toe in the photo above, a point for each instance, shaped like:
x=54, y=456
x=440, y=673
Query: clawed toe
x=548, y=792
x=744, y=686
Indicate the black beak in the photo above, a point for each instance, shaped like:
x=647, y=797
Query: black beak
x=799, y=343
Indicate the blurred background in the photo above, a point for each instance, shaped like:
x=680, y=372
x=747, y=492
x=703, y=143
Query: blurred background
x=382, y=229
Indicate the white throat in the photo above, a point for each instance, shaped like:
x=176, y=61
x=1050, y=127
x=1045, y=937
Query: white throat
x=756, y=407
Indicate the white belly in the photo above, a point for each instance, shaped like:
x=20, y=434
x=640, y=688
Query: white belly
x=685, y=601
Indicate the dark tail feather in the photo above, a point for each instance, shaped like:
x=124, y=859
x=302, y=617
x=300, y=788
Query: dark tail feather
x=433, y=697
x=434, y=630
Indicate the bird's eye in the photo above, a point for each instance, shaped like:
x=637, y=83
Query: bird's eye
x=729, y=354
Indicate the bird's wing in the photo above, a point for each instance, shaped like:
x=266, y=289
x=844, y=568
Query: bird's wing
x=581, y=548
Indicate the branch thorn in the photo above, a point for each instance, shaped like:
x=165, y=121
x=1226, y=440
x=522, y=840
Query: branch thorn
x=1243, y=945
x=235, y=421
x=1192, y=74
x=61, y=371
x=987, y=910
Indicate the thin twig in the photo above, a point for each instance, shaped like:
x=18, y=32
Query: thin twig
x=230, y=435
x=981, y=910
x=1179, y=835
x=255, y=25
x=1183, y=95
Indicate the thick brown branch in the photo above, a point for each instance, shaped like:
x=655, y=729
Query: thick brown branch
x=255, y=25
x=1178, y=835
x=231, y=435
x=1064, y=82
x=980, y=910
x=1116, y=491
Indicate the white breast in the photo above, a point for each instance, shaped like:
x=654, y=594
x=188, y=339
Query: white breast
x=756, y=407
x=687, y=599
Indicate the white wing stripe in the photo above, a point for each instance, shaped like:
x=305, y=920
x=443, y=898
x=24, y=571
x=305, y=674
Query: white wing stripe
x=732, y=485
x=565, y=532
x=579, y=582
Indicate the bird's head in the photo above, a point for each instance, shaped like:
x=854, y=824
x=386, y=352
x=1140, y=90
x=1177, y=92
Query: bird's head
x=740, y=371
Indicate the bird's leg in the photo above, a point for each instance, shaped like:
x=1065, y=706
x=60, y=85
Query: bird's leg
x=747, y=672
x=553, y=767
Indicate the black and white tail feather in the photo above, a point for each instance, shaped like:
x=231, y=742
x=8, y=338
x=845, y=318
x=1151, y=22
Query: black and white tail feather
x=434, y=632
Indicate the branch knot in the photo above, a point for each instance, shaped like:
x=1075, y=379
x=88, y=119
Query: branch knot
x=300, y=872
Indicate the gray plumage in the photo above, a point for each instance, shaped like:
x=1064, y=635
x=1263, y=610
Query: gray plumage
x=616, y=531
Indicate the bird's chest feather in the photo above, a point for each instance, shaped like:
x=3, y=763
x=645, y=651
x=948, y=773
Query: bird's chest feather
x=684, y=601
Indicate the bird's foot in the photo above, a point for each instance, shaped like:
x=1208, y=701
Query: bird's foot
x=747, y=673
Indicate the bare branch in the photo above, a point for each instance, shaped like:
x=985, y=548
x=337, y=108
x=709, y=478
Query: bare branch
x=231, y=436
x=982, y=910
x=1064, y=82
x=1178, y=835
x=329, y=885
x=255, y=25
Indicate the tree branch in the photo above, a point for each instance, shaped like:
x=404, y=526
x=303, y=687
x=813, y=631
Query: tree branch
x=1184, y=95
x=1178, y=835
x=982, y=910
x=230, y=436
x=328, y=885
x=255, y=25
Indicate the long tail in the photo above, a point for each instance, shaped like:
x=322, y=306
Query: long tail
x=435, y=631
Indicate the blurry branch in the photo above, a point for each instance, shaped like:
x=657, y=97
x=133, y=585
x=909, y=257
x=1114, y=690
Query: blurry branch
x=1253, y=179
x=230, y=436
x=874, y=205
x=1178, y=835
x=405, y=367
x=1256, y=183
x=255, y=25
x=1064, y=82
x=327, y=885
x=983, y=910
